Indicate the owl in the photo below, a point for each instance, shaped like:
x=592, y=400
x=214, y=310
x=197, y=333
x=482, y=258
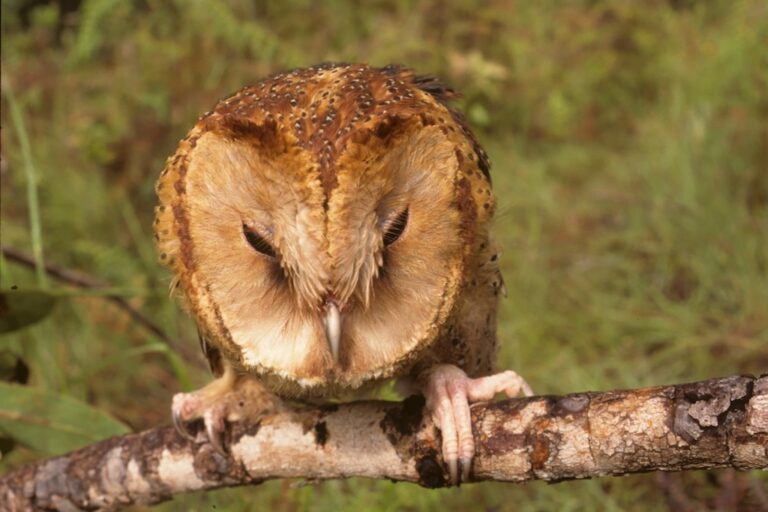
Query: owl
x=328, y=229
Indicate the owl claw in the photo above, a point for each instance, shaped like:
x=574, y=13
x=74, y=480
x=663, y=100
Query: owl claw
x=214, y=428
x=466, y=466
x=453, y=470
x=189, y=407
x=463, y=464
x=449, y=391
x=212, y=420
x=180, y=425
x=225, y=400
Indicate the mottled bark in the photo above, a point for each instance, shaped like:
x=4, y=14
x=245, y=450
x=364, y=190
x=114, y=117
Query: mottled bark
x=710, y=424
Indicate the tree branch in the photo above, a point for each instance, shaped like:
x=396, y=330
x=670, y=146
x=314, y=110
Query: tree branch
x=710, y=424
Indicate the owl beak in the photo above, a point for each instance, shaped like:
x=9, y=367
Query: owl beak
x=333, y=328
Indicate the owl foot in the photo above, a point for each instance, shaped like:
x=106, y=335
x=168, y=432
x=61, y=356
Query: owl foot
x=225, y=400
x=448, y=391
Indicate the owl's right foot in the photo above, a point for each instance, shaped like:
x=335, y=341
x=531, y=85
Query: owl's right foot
x=229, y=398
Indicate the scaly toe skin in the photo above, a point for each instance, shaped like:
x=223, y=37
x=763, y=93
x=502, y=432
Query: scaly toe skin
x=485, y=388
x=443, y=417
x=449, y=391
x=447, y=399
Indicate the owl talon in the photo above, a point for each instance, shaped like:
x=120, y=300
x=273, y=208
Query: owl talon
x=227, y=399
x=466, y=466
x=453, y=471
x=214, y=429
x=179, y=423
x=181, y=428
x=449, y=391
x=188, y=408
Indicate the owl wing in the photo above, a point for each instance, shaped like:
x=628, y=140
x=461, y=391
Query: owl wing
x=211, y=353
x=469, y=339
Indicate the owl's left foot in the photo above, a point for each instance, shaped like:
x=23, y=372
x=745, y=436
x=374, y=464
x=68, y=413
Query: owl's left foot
x=227, y=399
x=449, y=391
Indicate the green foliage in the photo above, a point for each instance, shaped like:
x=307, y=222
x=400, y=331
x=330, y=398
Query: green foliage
x=50, y=422
x=19, y=309
x=629, y=142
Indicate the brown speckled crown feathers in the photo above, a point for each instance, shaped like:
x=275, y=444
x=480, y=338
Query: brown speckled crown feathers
x=324, y=105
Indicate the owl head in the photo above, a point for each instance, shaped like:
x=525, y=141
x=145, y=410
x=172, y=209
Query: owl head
x=320, y=222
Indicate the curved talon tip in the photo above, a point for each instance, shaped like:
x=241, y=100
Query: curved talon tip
x=453, y=471
x=466, y=466
x=215, y=433
x=214, y=437
x=527, y=391
x=181, y=426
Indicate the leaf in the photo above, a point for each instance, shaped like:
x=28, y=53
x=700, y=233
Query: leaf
x=51, y=422
x=6, y=445
x=19, y=309
x=13, y=368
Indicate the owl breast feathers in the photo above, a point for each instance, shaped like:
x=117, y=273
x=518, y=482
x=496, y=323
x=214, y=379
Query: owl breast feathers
x=329, y=227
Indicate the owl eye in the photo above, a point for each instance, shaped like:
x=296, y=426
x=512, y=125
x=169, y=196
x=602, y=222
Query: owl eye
x=258, y=242
x=396, y=228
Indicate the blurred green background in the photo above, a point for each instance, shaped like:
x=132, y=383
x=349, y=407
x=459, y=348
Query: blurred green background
x=629, y=143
